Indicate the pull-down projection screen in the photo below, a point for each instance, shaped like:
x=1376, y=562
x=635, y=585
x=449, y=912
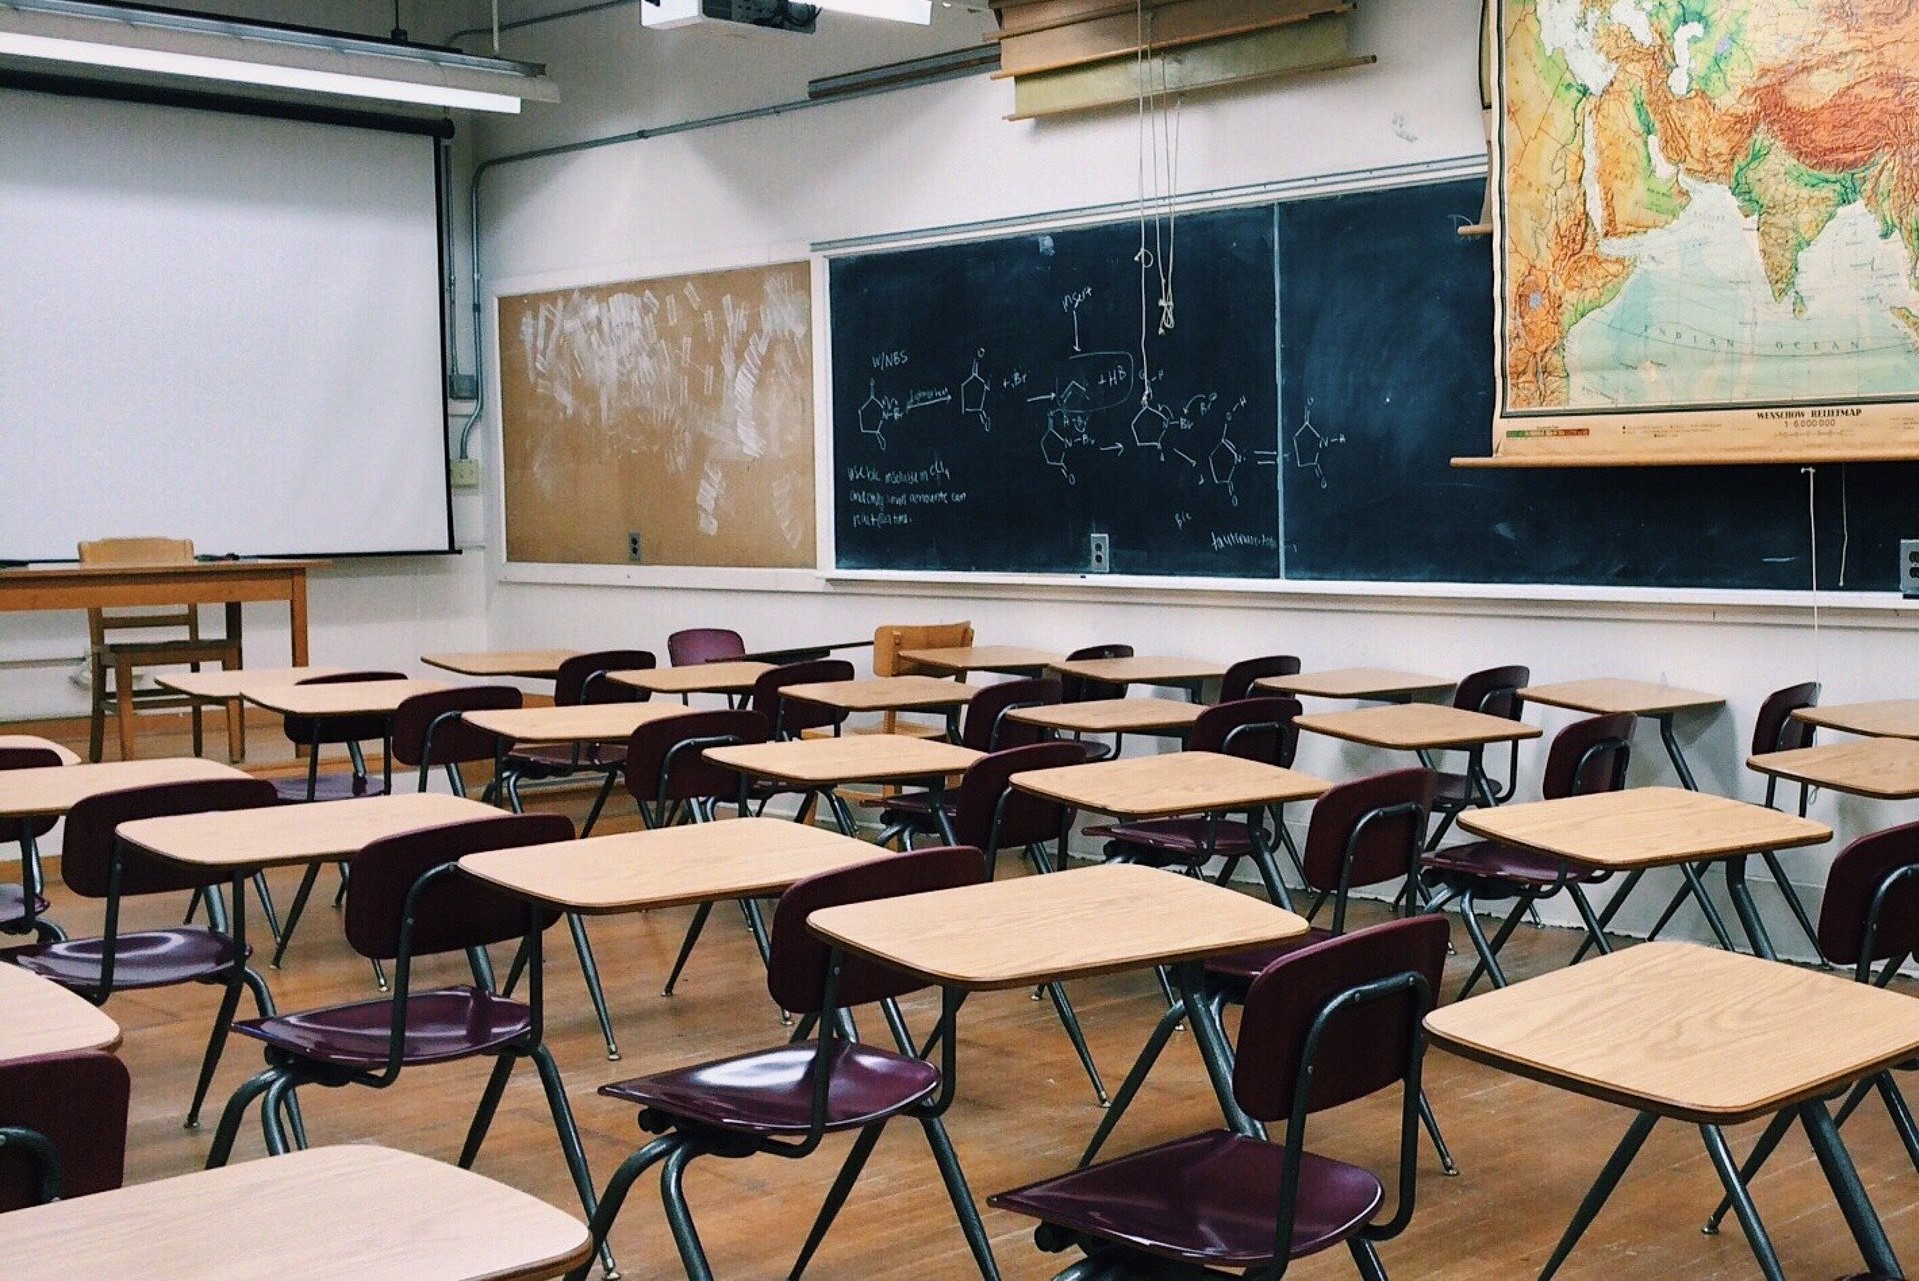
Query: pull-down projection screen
x=217, y=326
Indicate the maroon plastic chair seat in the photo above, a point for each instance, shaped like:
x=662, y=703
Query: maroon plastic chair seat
x=75, y=1101
x=1211, y=1199
x=1237, y=970
x=150, y=958
x=693, y=645
x=771, y=1092
x=448, y=1023
x=1175, y=840
x=328, y=785
x=1496, y=861
x=13, y=905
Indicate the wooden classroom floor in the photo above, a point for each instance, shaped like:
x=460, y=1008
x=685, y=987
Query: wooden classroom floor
x=1527, y=1152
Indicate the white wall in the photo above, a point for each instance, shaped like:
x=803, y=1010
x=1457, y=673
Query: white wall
x=941, y=155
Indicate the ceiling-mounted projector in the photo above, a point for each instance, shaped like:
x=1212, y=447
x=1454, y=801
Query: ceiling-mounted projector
x=740, y=16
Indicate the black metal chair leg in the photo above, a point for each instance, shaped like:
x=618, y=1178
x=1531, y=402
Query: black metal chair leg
x=1135, y=1077
x=1601, y=1189
x=836, y=1195
x=569, y=1134
x=270, y=1109
x=588, y=967
x=1793, y=901
x=264, y=893
x=1488, y=950
x=1901, y=1116
x=679, y=1216
x=1768, y=1140
x=234, y=1113
x=599, y=802
x=686, y=946
x=1366, y=1259
x=600, y=1222
x=496, y=1082
x=295, y=912
x=1070, y=1022
x=1431, y=1122
x=1742, y=1203
x=955, y=1180
x=216, y=1045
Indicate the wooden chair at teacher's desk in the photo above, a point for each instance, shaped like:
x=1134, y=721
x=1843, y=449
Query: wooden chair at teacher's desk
x=111, y=662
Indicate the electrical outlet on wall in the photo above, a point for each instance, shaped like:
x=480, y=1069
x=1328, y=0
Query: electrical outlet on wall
x=1099, y=558
x=1909, y=566
x=633, y=546
x=464, y=473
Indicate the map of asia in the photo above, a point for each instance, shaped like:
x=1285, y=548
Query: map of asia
x=1708, y=229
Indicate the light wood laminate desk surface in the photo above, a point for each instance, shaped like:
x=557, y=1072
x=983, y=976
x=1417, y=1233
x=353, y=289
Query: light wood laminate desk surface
x=1114, y=716
x=38, y=1016
x=348, y=698
x=1884, y=768
x=67, y=756
x=1644, y=827
x=1690, y=1032
x=1417, y=727
x=1606, y=696
x=1355, y=682
x=886, y=693
x=285, y=835
x=1173, y=783
x=55, y=789
x=351, y=1211
x=1013, y=660
x=219, y=686
x=729, y=676
x=578, y=723
x=534, y=664
x=1143, y=670
x=672, y=866
x=1887, y=718
x=856, y=758
x=1054, y=927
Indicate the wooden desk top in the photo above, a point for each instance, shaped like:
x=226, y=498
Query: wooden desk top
x=670, y=867
x=38, y=1016
x=364, y=1212
x=1355, y=682
x=1062, y=925
x=1690, y=1032
x=580, y=723
x=1886, y=768
x=535, y=664
x=282, y=835
x=1143, y=671
x=1605, y=696
x=886, y=693
x=349, y=698
x=1114, y=715
x=173, y=569
x=735, y=676
x=1174, y=783
x=55, y=789
x=1644, y=827
x=67, y=756
x=1013, y=659
x=856, y=758
x=1887, y=718
x=222, y=685
x=1412, y=726
x=800, y=653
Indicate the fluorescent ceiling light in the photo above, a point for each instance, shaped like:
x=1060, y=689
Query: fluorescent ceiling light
x=201, y=48
x=920, y=11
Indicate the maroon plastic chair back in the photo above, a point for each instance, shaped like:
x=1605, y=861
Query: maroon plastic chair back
x=1239, y=678
x=651, y=751
x=693, y=645
x=1351, y=817
x=797, y=963
x=788, y=718
x=86, y=853
x=301, y=730
x=573, y=683
x=1494, y=691
x=19, y=829
x=1258, y=729
x=1852, y=884
x=1024, y=819
x=454, y=741
x=1080, y=689
x=988, y=728
x=456, y=912
x=1774, y=729
x=1588, y=756
x=1366, y=1047
x=78, y=1103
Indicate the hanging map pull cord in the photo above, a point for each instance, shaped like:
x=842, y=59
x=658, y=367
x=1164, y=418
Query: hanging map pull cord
x=1159, y=153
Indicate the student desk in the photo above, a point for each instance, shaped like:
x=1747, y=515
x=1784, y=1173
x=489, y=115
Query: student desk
x=1701, y=1036
x=357, y=1211
x=242, y=841
x=1185, y=673
x=1177, y=783
x=1028, y=931
x=1889, y=718
x=1607, y=696
x=533, y=664
x=1646, y=827
x=1007, y=660
x=347, y=698
x=38, y=1016
x=693, y=864
x=1371, y=684
x=217, y=582
x=1168, y=716
x=727, y=676
x=67, y=756
x=230, y=688
x=1886, y=769
x=890, y=694
x=818, y=765
x=580, y=723
x=1424, y=728
x=803, y=653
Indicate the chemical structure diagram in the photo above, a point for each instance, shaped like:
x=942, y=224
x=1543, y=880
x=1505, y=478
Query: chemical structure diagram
x=1310, y=445
x=876, y=411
